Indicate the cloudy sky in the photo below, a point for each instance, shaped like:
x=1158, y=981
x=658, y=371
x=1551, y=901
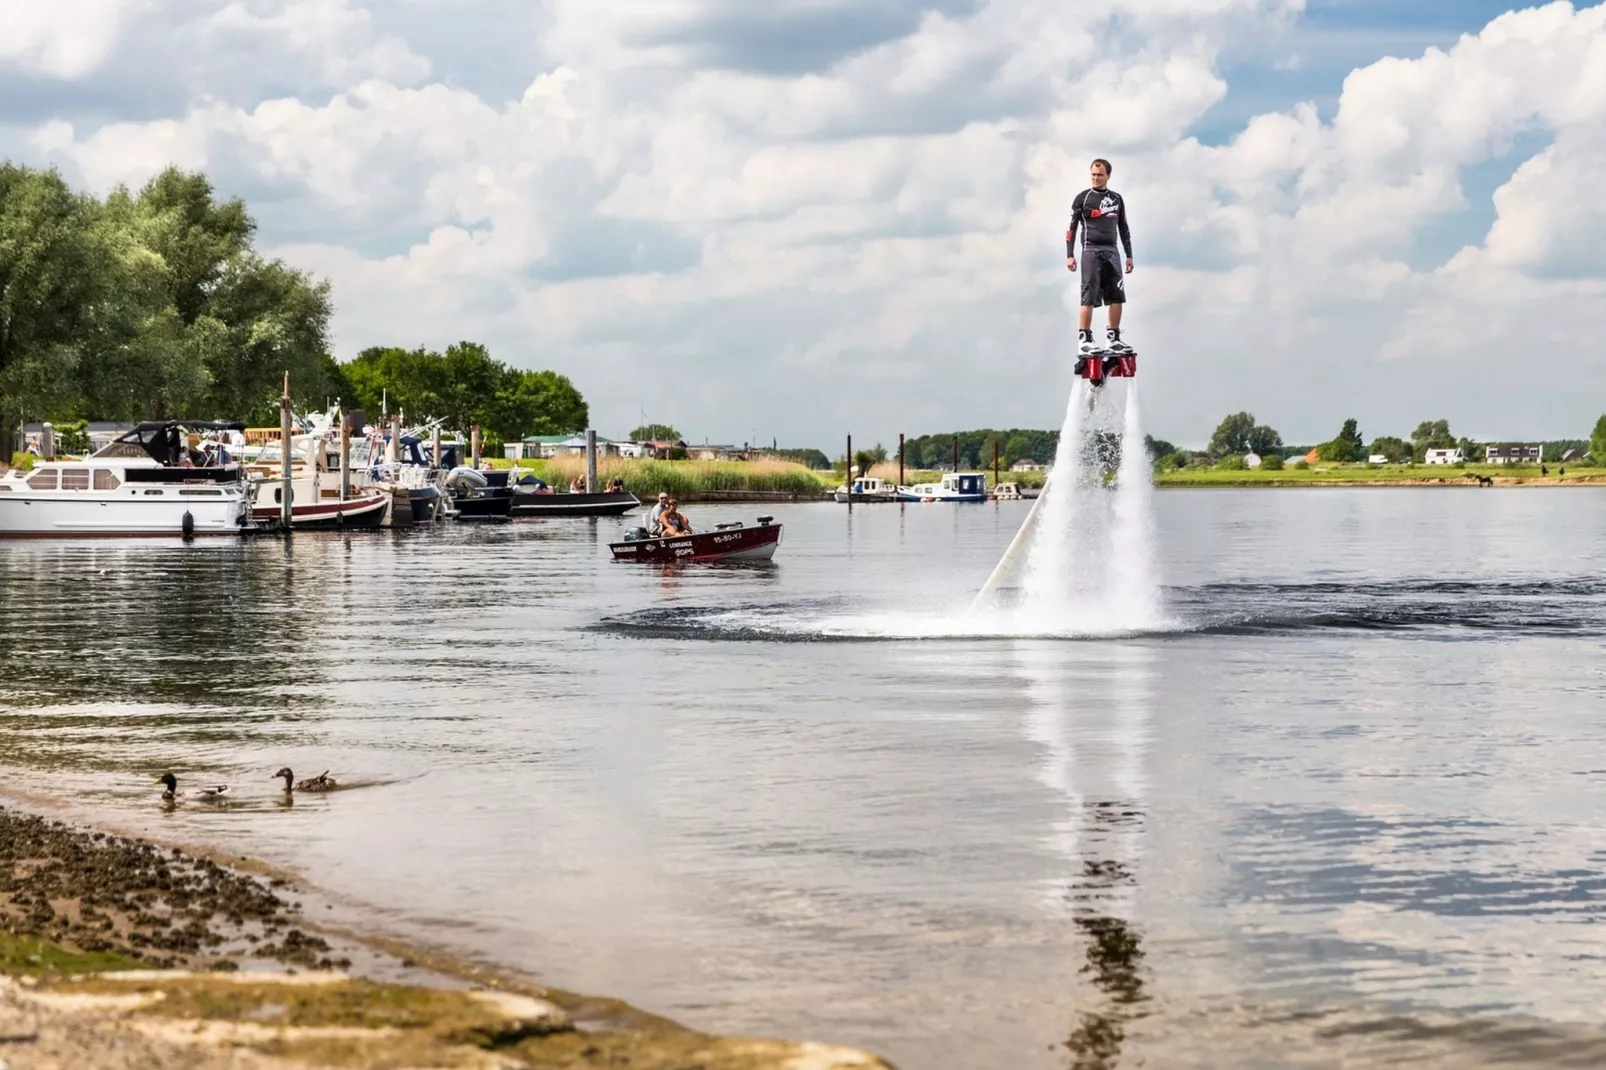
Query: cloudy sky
x=798, y=219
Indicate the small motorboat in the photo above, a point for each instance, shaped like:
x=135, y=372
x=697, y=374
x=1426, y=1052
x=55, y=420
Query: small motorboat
x=727, y=542
x=476, y=497
x=866, y=490
x=532, y=497
x=955, y=487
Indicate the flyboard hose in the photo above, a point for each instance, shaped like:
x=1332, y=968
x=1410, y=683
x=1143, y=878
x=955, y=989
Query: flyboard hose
x=1017, y=546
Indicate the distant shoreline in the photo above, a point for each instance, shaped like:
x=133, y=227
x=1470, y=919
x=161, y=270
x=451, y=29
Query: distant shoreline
x=1280, y=481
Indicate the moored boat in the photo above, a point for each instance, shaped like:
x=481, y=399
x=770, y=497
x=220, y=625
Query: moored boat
x=866, y=490
x=532, y=497
x=955, y=487
x=732, y=541
x=148, y=481
x=475, y=496
x=315, y=493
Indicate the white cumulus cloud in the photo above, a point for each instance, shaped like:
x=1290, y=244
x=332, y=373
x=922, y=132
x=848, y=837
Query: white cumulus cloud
x=685, y=212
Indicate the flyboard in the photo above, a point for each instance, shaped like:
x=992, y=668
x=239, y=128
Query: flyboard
x=1097, y=368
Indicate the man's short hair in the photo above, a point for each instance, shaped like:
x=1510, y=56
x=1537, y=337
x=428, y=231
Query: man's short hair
x=1108, y=170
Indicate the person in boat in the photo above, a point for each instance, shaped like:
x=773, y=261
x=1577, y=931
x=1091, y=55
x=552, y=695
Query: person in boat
x=576, y=486
x=674, y=522
x=616, y=485
x=655, y=518
x=1100, y=213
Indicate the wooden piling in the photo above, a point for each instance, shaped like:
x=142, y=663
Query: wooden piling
x=591, y=460
x=956, y=453
x=900, y=460
x=345, y=457
x=435, y=447
x=995, y=463
x=847, y=474
x=285, y=492
x=474, y=447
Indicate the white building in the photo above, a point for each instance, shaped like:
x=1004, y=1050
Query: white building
x=1252, y=460
x=1378, y=458
x=1450, y=456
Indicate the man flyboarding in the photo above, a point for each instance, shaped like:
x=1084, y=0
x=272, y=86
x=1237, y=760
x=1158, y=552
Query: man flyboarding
x=1101, y=214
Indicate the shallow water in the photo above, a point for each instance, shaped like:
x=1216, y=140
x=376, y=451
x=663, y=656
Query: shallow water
x=1344, y=812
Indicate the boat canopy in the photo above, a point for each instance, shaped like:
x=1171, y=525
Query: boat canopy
x=163, y=440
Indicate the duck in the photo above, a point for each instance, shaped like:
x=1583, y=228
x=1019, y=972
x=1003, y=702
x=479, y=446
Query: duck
x=322, y=782
x=211, y=794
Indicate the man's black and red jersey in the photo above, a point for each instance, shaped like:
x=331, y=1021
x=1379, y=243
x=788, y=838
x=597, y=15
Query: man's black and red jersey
x=1102, y=216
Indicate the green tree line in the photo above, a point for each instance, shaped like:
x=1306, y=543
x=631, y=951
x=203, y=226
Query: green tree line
x=976, y=448
x=154, y=304
x=464, y=387
x=148, y=304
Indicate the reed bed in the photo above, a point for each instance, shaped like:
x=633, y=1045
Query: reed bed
x=685, y=479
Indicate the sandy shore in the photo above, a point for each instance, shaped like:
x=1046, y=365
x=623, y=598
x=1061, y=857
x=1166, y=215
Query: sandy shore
x=121, y=953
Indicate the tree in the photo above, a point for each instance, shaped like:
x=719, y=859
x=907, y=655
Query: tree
x=1346, y=447
x=1597, y=442
x=1430, y=435
x=538, y=403
x=465, y=387
x=1264, y=440
x=655, y=433
x=807, y=457
x=1157, y=447
x=1018, y=447
x=1232, y=434
x=1395, y=449
x=54, y=276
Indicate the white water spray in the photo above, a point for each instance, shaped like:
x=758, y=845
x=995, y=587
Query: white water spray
x=1089, y=564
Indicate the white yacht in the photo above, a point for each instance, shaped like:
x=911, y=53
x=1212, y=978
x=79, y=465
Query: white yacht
x=866, y=489
x=955, y=487
x=149, y=481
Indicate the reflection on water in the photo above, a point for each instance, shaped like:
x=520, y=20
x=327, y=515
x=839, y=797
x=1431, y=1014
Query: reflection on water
x=1090, y=715
x=1345, y=814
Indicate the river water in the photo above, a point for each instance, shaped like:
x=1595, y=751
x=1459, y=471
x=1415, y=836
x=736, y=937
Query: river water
x=1345, y=809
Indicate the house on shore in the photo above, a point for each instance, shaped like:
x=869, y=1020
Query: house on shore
x=541, y=447
x=1514, y=453
x=1025, y=464
x=1449, y=456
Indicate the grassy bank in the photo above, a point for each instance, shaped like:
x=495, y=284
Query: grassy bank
x=1378, y=475
x=688, y=479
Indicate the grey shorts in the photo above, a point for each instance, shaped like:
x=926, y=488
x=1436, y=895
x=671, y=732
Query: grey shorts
x=1102, y=281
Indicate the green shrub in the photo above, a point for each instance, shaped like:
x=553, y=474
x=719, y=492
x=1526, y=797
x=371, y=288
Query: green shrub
x=1272, y=462
x=1300, y=465
x=22, y=461
x=1232, y=463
